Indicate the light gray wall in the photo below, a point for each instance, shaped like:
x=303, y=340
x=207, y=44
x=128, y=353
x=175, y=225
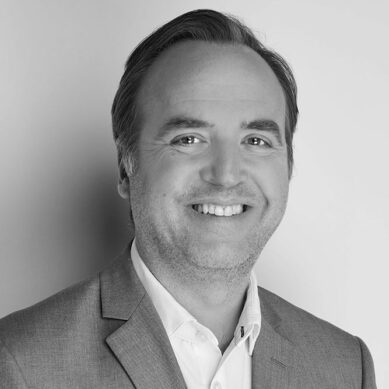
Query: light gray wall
x=61, y=218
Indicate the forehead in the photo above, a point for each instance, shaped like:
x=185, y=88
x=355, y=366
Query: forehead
x=194, y=72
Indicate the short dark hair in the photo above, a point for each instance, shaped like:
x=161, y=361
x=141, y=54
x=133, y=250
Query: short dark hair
x=199, y=25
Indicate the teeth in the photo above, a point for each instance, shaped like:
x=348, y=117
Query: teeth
x=237, y=209
x=219, y=210
x=228, y=211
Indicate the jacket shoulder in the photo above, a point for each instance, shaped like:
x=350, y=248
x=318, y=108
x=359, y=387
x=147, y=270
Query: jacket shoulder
x=48, y=319
x=60, y=341
x=299, y=324
x=324, y=347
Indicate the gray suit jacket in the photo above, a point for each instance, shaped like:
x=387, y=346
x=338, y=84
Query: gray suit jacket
x=105, y=333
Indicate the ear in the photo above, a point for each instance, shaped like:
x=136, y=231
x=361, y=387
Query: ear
x=124, y=182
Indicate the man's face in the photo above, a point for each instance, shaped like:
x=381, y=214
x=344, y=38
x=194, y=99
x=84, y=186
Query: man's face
x=211, y=182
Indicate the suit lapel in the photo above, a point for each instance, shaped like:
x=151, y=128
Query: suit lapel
x=141, y=344
x=276, y=361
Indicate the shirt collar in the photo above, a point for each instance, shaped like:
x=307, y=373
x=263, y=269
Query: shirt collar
x=249, y=324
x=174, y=315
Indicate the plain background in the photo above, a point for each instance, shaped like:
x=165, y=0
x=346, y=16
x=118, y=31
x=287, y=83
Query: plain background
x=61, y=218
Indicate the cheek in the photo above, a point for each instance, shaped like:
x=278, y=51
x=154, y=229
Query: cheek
x=166, y=174
x=271, y=175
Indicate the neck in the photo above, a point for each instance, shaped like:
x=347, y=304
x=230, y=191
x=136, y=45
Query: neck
x=215, y=297
x=216, y=305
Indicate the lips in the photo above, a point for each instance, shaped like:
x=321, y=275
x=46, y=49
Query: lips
x=220, y=210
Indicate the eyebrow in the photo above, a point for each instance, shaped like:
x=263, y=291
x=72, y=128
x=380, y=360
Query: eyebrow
x=180, y=122
x=264, y=125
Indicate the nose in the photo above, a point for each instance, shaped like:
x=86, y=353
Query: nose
x=223, y=166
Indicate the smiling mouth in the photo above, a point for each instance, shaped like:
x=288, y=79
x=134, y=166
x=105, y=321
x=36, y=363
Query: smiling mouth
x=220, y=210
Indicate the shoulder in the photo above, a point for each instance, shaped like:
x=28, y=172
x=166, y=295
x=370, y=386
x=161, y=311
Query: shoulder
x=305, y=329
x=324, y=348
x=51, y=318
x=60, y=341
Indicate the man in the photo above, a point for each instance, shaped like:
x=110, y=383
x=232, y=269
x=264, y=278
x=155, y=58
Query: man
x=203, y=121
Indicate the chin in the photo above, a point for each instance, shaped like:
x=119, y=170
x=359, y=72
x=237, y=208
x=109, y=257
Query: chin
x=223, y=257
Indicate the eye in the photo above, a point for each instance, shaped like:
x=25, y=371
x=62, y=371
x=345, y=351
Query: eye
x=257, y=141
x=185, y=140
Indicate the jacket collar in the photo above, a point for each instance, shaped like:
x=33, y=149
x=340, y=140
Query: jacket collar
x=276, y=360
x=141, y=344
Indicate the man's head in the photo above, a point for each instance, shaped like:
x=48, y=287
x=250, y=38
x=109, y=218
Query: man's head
x=211, y=146
x=200, y=25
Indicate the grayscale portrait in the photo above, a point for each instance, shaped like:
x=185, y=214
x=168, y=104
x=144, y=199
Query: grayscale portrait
x=194, y=195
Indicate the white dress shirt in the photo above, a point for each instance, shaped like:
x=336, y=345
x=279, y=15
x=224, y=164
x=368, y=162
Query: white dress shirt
x=202, y=364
